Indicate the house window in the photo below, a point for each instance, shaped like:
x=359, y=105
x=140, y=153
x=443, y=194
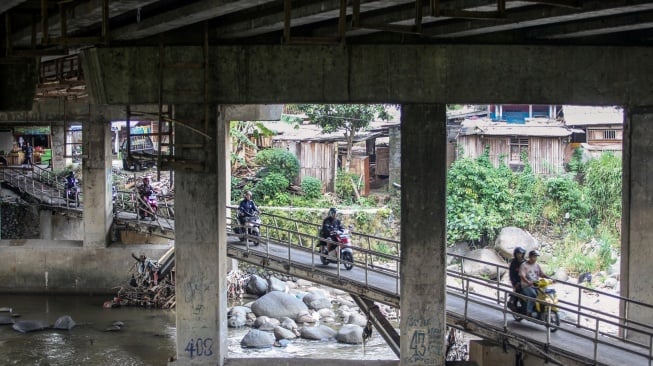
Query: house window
x=609, y=134
x=518, y=146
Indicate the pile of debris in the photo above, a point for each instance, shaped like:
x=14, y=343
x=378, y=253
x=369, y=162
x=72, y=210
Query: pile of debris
x=152, y=284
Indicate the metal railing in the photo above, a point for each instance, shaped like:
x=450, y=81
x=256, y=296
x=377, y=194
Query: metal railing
x=598, y=320
x=380, y=258
x=303, y=236
x=42, y=184
x=300, y=239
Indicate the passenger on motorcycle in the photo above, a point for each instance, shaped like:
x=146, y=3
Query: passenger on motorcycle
x=329, y=224
x=529, y=272
x=247, y=208
x=517, y=260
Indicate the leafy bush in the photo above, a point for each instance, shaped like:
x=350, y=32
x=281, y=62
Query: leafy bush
x=603, y=183
x=345, y=187
x=270, y=186
x=278, y=161
x=312, y=187
x=480, y=199
x=567, y=195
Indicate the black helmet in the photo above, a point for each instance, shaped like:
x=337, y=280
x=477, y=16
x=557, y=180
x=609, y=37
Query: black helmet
x=519, y=250
x=533, y=253
x=332, y=211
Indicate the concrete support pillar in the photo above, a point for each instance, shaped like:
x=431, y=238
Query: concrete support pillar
x=58, y=134
x=97, y=180
x=423, y=233
x=636, y=233
x=200, y=245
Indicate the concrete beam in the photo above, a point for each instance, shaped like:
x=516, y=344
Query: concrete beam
x=18, y=79
x=472, y=74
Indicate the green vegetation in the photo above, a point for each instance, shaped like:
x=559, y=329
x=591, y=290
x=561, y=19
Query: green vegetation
x=583, y=207
x=278, y=161
x=580, y=210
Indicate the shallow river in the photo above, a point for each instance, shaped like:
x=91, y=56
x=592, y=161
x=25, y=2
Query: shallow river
x=147, y=337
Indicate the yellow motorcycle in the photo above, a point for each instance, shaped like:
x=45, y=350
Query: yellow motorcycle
x=547, y=299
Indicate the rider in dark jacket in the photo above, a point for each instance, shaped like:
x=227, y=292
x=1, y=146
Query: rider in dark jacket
x=71, y=181
x=329, y=224
x=513, y=272
x=247, y=208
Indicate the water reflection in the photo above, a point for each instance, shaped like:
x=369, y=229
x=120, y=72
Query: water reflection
x=147, y=338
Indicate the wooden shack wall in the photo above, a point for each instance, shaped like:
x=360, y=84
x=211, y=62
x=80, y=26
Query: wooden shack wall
x=546, y=154
x=360, y=165
x=316, y=159
x=474, y=145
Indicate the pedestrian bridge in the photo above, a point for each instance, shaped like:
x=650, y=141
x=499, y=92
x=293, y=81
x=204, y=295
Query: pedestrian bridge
x=475, y=304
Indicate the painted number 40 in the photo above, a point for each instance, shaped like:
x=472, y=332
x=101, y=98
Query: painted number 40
x=199, y=347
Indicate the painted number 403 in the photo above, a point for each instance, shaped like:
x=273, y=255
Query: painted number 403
x=199, y=347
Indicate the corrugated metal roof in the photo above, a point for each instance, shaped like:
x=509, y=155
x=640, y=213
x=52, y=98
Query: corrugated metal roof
x=310, y=132
x=550, y=128
x=582, y=115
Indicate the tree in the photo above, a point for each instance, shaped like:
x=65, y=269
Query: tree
x=350, y=118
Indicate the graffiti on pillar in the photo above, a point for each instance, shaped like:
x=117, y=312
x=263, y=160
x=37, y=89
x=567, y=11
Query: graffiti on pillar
x=199, y=347
x=426, y=346
x=195, y=289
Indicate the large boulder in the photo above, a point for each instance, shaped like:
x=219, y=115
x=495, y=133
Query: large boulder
x=25, y=326
x=278, y=304
x=318, y=333
x=481, y=269
x=257, y=286
x=257, y=339
x=237, y=317
x=65, y=323
x=283, y=333
x=316, y=300
x=357, y=319
x=275, y=284
x=512, y=237
x=350, y=334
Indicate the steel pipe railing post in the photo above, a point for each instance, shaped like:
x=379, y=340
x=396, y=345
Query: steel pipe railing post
x=466, y=300
x=596, y=339
x=580, y=297
x=650, y=350
x=548, y=325
x=498, y=284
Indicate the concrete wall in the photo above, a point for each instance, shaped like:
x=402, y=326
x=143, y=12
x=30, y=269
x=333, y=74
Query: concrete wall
x=55, y=226
x=66, y=266
x=486, y=353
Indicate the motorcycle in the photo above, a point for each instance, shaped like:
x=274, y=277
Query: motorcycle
x=341, y=250
x=72, y=194
x=148, y=206
x=251, y=227
x=547, y=299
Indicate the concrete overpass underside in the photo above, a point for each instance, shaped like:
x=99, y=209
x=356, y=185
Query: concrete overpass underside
x=206, y=56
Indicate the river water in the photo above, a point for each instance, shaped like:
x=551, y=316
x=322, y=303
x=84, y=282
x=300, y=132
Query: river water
x=147, y=338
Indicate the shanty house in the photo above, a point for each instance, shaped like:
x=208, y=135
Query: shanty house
x=542, y=142
x=602, y=128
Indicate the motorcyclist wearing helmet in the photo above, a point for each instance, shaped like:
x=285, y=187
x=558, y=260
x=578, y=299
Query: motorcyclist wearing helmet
x=329, y=224
x=513, y=272
x=247, y=207
x=71, y=181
